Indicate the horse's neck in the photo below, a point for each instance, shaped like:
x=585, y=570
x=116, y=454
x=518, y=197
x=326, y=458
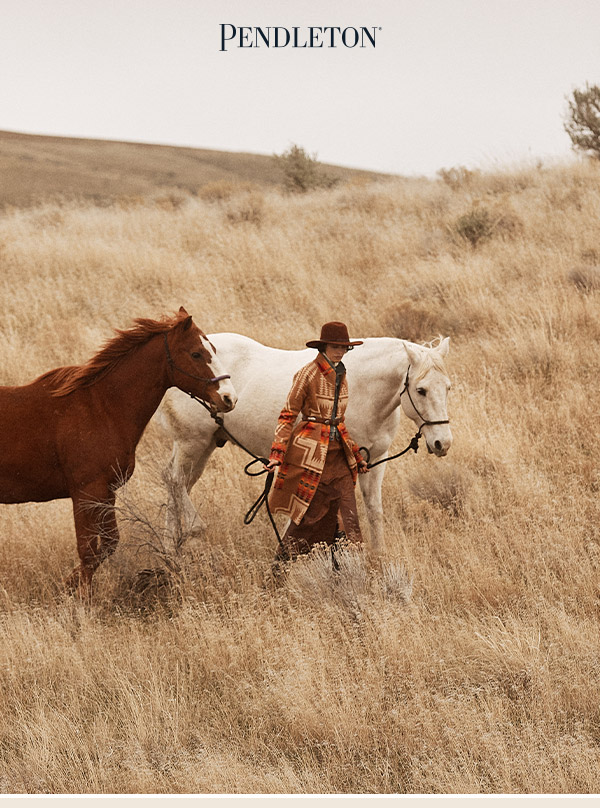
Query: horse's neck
x=384, y=365
x=132, y=390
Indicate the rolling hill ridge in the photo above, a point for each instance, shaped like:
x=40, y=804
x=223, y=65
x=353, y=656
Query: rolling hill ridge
x=36, y=168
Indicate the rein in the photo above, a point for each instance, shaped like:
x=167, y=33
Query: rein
x=263, y=499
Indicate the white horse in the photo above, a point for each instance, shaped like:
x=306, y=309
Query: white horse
x=385, y=377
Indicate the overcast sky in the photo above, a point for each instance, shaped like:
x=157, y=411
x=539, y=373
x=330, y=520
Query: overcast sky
x=450, y=82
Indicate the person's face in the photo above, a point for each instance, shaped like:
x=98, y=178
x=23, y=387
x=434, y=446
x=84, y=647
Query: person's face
x=335, y=353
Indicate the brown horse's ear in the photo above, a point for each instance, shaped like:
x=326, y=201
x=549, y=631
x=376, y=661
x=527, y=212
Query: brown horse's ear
x=188, y=319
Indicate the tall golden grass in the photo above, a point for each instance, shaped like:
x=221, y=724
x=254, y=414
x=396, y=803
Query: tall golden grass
x=466, y=658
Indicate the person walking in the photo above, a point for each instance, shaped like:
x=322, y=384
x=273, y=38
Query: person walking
x=317, y=462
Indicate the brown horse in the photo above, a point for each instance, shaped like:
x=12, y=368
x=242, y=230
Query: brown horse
x=73, y=431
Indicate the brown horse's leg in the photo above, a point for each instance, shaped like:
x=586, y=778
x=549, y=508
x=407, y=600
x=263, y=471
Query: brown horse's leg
x=97, y=537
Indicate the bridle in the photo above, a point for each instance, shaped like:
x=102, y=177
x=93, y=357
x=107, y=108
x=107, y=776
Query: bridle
x=425, y=421
x=414, y=443
x=174, y=367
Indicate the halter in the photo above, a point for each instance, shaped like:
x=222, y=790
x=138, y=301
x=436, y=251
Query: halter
x=414, y=443
x=425, y=421
x=173, y=367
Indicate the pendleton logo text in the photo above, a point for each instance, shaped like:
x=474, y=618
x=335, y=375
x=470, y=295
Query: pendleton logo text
x=247, y=36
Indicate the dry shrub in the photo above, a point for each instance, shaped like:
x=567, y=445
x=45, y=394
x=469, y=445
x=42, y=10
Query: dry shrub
x=446, y=486
x=481, y=224
x=586, y=279
x=507, y=223
x=458, y=177
x=368, y=202
x=475, y=226
x=412, y=321
x=501, y=183
x=541, y=357
x=130, y=201
x=223, y=190
x=246, y=208
x=302, y=172
x=395, y=582
x=150, y=590
x=151, y=566
x=590, y=256
x=171, y=201
x=474, y=181
x=336, y=576
x=342, y=578
x=420, y=322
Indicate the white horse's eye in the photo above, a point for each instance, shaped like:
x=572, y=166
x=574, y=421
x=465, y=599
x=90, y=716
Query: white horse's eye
x=421, y=391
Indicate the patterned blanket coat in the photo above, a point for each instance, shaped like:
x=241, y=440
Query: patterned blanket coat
x=302, y=449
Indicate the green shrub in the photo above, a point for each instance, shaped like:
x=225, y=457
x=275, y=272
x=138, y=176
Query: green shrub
x=583, y=120
x=475, y=226
x=302, y=172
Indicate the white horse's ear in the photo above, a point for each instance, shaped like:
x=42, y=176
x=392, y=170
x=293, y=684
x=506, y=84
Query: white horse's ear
x=413, y=356
x=444, y=347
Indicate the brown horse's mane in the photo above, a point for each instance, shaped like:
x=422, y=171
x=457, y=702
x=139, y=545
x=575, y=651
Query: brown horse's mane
x=66, y=380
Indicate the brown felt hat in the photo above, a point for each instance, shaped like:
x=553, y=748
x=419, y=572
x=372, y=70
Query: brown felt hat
x=333, y=334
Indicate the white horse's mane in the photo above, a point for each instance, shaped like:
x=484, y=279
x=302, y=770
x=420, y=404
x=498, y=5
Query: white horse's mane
x=430, y=359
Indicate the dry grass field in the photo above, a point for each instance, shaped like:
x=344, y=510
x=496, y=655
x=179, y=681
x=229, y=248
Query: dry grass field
x=465, y=659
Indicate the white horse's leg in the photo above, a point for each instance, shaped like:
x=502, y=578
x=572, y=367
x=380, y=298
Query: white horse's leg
x=185, y=467
x=370, y=485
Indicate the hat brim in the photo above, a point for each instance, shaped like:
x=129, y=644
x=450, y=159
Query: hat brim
x=316, y=343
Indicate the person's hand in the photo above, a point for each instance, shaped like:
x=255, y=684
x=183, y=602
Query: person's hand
x=272, y=465
x=363, y=467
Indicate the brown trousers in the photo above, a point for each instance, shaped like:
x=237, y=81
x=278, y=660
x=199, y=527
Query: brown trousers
x=334, y=494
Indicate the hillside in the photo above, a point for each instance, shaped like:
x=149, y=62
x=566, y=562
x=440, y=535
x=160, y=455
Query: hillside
x=481, y=679
x=37, y=168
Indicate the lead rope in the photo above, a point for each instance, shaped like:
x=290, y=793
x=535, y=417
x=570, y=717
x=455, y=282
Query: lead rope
x=414, y=445
x=263, y=499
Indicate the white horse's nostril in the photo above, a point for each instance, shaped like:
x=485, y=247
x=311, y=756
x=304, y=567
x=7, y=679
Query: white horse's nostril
x=438, y=446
